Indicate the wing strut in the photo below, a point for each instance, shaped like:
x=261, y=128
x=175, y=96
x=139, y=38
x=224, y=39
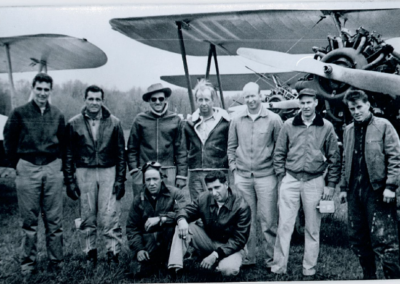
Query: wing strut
x=185, y=65
x=11, y=104
x=212, y=52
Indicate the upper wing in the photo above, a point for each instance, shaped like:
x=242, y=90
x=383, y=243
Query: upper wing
x=57, y=52
x=286, y=31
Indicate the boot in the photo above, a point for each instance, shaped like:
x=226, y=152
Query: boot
x=91, y=259
x=369, y=267
x=112, y=258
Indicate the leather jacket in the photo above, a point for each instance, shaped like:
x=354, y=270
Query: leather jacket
x=168, y=202
x=231, y=226
x=83, y=152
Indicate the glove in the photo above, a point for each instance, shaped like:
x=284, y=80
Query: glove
x=119, y=189
x=73, y=191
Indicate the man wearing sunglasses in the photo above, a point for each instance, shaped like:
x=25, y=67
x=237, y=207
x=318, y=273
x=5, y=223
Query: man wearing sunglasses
x=151, y=220
x=206, y=138
x=156, y=136
x=94, y=171
x=33, y=143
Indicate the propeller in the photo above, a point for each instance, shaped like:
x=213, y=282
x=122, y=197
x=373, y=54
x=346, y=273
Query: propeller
x=289, y=104
x=366, y=80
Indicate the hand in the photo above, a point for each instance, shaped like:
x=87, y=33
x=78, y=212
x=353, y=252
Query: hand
x=180, y=183
x=119, y=189
x=153, y=221
x=142, y=255
x=183, y=228
x=343, y=197
x=328, y=193
x=389, y=196
x=73, y=191
x=208, y=262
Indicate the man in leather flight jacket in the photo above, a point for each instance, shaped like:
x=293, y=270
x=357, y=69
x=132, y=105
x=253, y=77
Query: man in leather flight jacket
x=94, y=171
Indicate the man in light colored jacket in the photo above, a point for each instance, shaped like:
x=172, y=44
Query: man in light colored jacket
x=306, y=148
x=251, y=144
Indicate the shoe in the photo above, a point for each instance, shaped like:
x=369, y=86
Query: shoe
x=91, y=259
x=55, y=267
x=112, y=258
x=309, y=277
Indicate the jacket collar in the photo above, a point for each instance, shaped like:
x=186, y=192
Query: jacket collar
x=159, y=114
x=229, y=202
x=263, y=112
x=104, y=111
x=298, y=121
x=219, y=113
x=34, y=104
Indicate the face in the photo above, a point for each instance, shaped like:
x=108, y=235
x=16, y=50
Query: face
x=41, y=93
x=252, y=99
x=219, y=190
x=204, y=101
x=307, y=106
x=152, y=180
x=157, y=101
x=359, y=110
x=94, y=102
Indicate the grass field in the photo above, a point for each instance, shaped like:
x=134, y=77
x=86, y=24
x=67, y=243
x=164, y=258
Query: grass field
x=336, y=261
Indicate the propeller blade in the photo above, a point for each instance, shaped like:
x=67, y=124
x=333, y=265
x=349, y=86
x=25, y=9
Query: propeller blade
x=289, y=104
x=366, y=80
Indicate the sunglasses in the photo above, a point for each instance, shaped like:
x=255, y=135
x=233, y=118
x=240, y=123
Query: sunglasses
x=155, y=165
x=157, y=99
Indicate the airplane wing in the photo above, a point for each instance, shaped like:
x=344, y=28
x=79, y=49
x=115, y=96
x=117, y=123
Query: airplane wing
x=57, y=52
x=236, y=82
x=294, y=31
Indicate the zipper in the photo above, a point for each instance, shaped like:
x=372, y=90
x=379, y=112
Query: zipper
x=157, y=141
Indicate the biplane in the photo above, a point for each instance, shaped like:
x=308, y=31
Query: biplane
x=41, y=53
x=335, y=49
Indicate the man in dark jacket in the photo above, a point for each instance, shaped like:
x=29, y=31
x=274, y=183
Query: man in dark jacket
x=151, y=219
x=306, y=148
x=370, y=174
x=226, y=218
x=156, y=135
x=206, y=137
x=33, y=143
x=94, y=170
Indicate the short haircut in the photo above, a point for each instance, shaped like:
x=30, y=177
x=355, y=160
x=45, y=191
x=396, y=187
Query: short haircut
x=202, y=85
x=42, y=77
x=94, y=89
x=215, y=175
x=354, y=95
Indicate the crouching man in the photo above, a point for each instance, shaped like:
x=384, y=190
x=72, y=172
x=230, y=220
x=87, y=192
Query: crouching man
x=226, y=218
x=151, y=220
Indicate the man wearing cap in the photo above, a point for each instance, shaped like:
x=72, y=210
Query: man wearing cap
x=94, y=170
x=206, y=138
x=151, y=219
x=370, y=175
x=306, y=148
x=251, y=144
x=220, y=241
x=34, y=144
x=156, y=135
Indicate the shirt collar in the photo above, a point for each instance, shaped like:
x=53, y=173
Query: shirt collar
x=318, y=120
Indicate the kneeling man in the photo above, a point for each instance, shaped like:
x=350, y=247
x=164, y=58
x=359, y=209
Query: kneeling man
x=151, y=220
x=226, y=218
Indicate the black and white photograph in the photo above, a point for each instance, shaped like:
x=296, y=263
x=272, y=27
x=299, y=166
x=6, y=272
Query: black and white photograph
x=201, y=142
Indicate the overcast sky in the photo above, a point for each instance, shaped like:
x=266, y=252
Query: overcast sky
x=130, y=63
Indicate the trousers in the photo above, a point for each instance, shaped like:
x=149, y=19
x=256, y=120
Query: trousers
x=39, y=189
x=96, y=185
x=228, y=266
x=290, y=193
x=373, y=232
x=261, y=194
